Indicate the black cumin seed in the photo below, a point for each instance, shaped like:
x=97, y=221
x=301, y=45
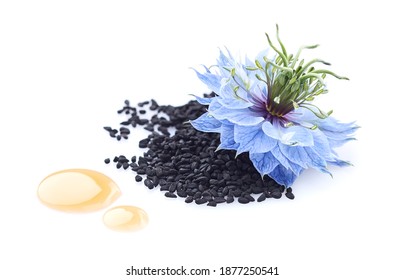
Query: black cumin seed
x=243, y=200
x=186, y=164
x=261, y=198
x=290, y=195
x=201, y=200
x=148, y=183
x=212, y=203
x=276, y=194
x=170, y=195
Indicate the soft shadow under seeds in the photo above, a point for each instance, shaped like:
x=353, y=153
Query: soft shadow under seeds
x=187, y=164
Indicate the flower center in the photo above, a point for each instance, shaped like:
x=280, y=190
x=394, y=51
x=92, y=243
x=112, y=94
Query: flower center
x=271, y=113
x=278, y=109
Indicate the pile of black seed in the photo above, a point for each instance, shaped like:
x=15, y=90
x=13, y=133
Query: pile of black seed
x=187, y=164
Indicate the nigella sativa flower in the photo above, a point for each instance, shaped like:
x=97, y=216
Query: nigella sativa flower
x=264, y=107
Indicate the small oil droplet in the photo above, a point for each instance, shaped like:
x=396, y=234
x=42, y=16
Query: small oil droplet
x=77, y=190
x=125, y=218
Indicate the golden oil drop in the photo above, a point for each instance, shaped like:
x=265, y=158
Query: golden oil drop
x=78, y=190
x=125, y=218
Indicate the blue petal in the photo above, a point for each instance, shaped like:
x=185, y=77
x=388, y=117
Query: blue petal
x=237, y=116
x=317, y=162
x=337, y=143
x=295, y=135
x=227, y=138
x=211, y=80
x=214, y=105
x=321, y=144
x=337, y=133
x=264, y=162
x=305, y=157
x=323, y=147
x=295, y=154
x=234, y=103
x=332, y=125
x=230, y=100
x=337, y=139
x=202, y=100
x=224, y=60
x=340, y=163
x=285, y=161
x=283, y=176
x=253, y=139
x=207, y=123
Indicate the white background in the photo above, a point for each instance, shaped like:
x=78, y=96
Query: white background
x=67, y=66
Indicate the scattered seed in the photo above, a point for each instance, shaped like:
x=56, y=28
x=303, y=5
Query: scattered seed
x=170, y=195
x=290, y=195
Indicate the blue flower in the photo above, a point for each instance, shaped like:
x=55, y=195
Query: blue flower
x=264, y=107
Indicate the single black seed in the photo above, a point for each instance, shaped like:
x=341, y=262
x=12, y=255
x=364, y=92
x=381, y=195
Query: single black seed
x=189, y=199
x=148, y=183
x=164, y=188
x=141, y=171
x=201, y=200
x=230, y=199
x=212, y=203
x=170, y=195
x=261, y=198
x=243, y=200
x=173, y=187
x=142, y=121
x=138, y=178
x=141, y=104
x=290, y=195
x=154, y=105
x=219, y=199
x=181, y=193
x=107, y=160
x=142, y=111
x=197, y=195
x=149, y=127
x=276, y=194
x=183, y=170
x=143, y=143
x=150, y=172
x=201, y=179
